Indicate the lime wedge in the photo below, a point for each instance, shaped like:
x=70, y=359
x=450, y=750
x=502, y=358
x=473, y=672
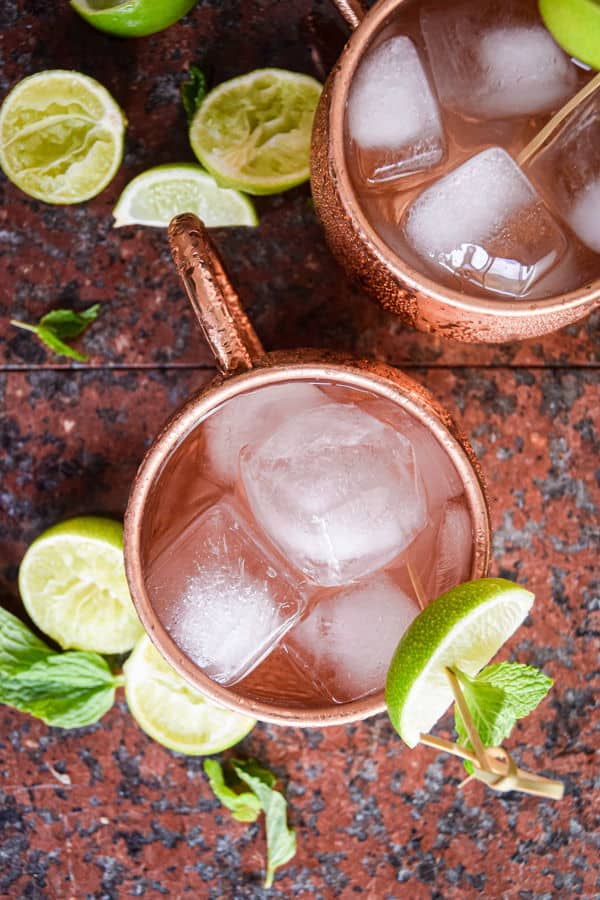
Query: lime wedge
x=61, y=136
x=253, y=132
x=465, y=628
x=72, y=582
x=155, y=196
x=174, y=714
x=575, y=25
x=132, y=18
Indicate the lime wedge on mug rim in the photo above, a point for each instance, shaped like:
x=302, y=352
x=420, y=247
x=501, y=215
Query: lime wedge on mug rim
x=61, y=136
x=575, y=25
x=173, y=713
x=253, y=132
x=132, y=18
x=158, y=194
x=73, y=585
x=465, y=627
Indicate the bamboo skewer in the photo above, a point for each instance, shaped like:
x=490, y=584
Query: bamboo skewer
x=550, y=127
x=492, y=765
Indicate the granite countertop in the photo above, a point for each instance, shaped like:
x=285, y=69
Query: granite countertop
x=103, y=812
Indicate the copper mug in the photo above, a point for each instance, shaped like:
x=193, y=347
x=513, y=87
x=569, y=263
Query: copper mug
x=244, y=366
x=398, y=287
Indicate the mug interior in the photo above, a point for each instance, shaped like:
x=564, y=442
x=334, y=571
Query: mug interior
x=163, y=490
x=409, y=277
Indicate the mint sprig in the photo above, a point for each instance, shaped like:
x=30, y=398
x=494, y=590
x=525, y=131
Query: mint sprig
x=193, y=91
x=245, y=806
x=66, y=690
x=498, y=696
x=57, y=327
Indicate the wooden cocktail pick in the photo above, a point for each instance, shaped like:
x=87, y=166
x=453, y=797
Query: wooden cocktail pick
x=550, y=127
x=492, y=765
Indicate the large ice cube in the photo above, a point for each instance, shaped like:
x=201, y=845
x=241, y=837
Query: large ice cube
x=222, y=595
x=336, y=490
x=346, y=643
x=485, y=223
x=393, y=115
x=248, y=417
x=433, y=462
x=567, y=171
x=492, y=60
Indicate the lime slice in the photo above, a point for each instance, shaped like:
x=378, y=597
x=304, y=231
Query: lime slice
x=575, y=25
x=465, y=628
x=61, y=136
x=132, y=18
x=72, y=582
x=253, y=132
x=171, y=712
x=155, y=196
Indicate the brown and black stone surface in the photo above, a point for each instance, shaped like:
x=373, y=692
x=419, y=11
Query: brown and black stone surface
x=104, y=812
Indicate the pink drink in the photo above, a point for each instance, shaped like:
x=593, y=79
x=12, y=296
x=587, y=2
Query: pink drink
x=308, y=524
x=440, y=108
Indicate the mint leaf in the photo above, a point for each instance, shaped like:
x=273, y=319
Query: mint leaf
x=19, y=647
x=490, y=708
x=524, y=686
x=60, y=325
x=66, y=323
x=67, y=690
x=244, y=806
x=281, y=840
x=193, y=92
x=64, y=689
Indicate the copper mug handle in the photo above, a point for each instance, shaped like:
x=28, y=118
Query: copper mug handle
x=224, y=323
x=353, y=11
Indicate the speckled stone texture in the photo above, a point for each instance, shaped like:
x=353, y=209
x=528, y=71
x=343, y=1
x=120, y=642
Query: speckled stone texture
x=106, y=813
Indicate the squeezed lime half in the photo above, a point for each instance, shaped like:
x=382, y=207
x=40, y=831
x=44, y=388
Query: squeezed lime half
x=73, y=585
x=61, y=136
x=171, y=712
x=253, y=132
x=465, y=627
x=132, y=18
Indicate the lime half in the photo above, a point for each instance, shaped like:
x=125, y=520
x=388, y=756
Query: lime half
x=61, y=136
x=253, y=132
x=72, y=582
x=171, y=712
x=132, y=18
x=465, y=628
x=155, y=196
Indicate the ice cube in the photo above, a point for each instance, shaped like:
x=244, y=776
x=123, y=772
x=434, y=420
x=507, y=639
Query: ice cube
x=433, y=462
x=393, y=115
x=567, y=171
x=346, y=643
x=224, y=597
x=493, y=61
x=485, y=223
x=248, y=417
x=584, y=216
x=454, y=547
x=337, y=492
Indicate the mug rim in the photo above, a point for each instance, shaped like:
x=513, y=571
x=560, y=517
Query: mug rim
x=376, y=378
x=408, y=277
